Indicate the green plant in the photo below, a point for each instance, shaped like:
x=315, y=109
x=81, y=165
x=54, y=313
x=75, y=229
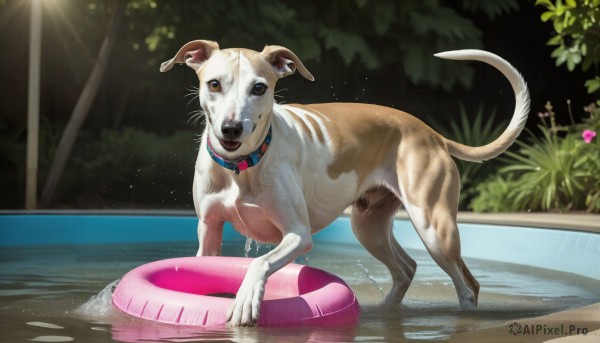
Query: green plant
x=557, y=171
x=550, y=177
x=577, y=38
x=592, y=122
x=492, y=195
x=474, y=132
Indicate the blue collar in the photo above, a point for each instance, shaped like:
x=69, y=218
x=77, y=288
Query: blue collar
x=241, y=164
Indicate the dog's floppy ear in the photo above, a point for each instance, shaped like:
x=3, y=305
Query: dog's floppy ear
x=193, y=54
x=284, y=61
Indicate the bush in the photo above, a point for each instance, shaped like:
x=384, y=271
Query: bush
x=130, y=168
x=559, y=171
x=126, y=168
x=492, y=195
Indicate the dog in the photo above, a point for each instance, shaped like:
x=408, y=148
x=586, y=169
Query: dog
x=280, y=173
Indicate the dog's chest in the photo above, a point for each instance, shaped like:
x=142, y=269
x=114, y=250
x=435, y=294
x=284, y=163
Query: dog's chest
x=249, y=217
x=254, y=223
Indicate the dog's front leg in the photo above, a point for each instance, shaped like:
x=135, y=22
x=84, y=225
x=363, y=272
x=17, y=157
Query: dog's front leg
x=291, y=217
x=210, y=237
x=245, y=310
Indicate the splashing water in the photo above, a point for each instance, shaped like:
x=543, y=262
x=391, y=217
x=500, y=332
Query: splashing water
x=366, y=272
x=302, y=259
x=99, y=305
x=247, y=246
x=249, y=251
x=258, y=246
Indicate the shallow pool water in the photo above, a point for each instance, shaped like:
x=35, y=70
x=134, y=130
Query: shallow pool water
x=45, y=296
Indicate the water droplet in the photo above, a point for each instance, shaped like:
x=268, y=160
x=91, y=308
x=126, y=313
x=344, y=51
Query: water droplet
x=247, y=246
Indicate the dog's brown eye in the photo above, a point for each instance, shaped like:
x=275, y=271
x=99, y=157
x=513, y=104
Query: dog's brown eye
x=259, y=89
x=214, y=86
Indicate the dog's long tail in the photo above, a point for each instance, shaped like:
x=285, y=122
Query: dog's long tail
x=517, y=123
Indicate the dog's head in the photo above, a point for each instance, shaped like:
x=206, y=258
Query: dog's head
x=237, y=90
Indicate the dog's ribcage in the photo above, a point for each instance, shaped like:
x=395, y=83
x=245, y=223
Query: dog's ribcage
x=307, y=139
x=326, y=197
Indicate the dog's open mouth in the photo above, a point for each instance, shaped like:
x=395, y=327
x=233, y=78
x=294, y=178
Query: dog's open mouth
x=230, y=145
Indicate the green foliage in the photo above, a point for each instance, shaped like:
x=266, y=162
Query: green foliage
x=593, y=85
x=558, y=171
x=127, y=168
x=492, y=9
x=493, y=194
x=480, y=131
x=403, y=33
x=131, y=166
x=577, y=38
x=549, y=172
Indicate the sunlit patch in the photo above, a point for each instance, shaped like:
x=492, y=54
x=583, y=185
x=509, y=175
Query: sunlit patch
x=98, y=328
x=45, y=325
x=52, y=339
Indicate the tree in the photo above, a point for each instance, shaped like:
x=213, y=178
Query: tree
x=576, y=26
x=376, y=33
x=396, y=37
x=82, y=107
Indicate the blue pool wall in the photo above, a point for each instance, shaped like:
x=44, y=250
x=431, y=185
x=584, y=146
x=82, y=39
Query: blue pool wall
x=568, y=251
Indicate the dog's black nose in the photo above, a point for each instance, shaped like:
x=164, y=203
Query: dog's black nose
x=232, y=130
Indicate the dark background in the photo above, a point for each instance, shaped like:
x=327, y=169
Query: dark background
x=136, y=148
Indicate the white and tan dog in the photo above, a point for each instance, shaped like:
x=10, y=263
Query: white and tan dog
x=281, y=173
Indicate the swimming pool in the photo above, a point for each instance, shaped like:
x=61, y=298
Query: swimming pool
x=52, y=264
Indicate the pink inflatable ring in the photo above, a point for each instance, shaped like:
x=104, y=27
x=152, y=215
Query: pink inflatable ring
x=182, y=291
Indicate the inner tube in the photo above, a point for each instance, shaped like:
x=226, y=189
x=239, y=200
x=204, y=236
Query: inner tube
x=194, y=291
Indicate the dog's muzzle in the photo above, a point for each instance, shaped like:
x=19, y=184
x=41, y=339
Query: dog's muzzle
x=232, y=131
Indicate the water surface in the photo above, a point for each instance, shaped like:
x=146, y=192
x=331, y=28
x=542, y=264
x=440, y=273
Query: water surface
x=62, y=294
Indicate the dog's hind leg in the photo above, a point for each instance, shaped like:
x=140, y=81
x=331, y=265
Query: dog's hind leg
x=372, y=220
x=430, y=195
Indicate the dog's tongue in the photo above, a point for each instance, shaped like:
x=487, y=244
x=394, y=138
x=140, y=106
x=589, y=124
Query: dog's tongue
x=230, y=145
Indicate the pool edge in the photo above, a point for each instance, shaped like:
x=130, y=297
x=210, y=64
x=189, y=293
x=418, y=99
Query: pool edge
x=562, y=221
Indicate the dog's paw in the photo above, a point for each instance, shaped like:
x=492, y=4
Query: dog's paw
x=245, y=310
